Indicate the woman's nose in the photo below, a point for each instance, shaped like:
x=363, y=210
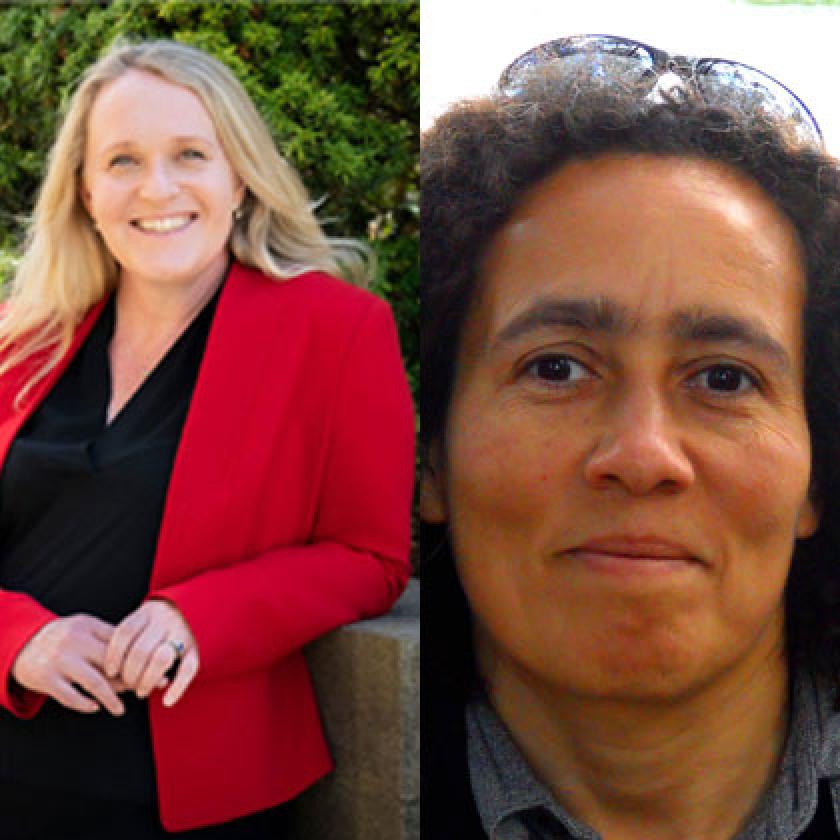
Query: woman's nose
x=158, y=181
x=639, y=448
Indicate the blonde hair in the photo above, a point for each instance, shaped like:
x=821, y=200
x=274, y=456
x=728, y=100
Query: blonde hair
x=66, y=268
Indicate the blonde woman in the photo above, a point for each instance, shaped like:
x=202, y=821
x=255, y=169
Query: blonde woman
x=206, y=445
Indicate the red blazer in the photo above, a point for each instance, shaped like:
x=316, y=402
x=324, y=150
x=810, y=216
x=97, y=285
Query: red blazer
x=287, y=515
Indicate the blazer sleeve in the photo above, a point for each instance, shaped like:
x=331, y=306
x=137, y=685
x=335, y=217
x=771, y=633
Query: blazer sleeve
x=21, y=617
x=249, y=614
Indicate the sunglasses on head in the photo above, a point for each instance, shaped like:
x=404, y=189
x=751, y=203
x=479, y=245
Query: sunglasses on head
x=666, y=77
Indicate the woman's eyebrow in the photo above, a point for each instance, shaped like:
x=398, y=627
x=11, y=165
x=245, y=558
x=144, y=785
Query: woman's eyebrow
x=706, y=327
x=609, y=317
x=181, y=138
x=592, y=314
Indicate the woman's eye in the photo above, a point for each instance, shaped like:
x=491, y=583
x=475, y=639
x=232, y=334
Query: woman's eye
x=193, y=154
x=121, y=160
x=558, y=369
x=725, y=379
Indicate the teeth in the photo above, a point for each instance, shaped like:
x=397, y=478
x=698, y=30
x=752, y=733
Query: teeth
x=163, y=225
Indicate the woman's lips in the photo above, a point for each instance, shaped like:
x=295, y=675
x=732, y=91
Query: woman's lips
x=632, y=556
x=164, y=225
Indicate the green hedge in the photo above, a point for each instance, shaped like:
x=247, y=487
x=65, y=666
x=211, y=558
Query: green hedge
x=337, y=83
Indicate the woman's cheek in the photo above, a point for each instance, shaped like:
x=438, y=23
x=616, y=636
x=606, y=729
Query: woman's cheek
x=763, y=483
x=760, y=487
x=502, y=477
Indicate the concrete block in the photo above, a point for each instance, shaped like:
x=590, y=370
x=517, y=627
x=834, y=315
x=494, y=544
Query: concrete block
x=367, y=677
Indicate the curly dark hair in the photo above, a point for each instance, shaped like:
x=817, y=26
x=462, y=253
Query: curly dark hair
x=478, y=162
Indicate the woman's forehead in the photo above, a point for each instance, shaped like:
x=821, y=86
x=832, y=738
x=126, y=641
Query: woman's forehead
x=139, y=103
x=619, y=198
x=644, y=232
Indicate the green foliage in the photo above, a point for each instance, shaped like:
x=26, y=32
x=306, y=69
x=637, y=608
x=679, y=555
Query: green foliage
x=338, y=85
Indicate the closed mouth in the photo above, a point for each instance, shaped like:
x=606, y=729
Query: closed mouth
x=630, y=555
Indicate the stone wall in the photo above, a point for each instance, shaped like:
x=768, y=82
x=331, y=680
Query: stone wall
x=367, y=677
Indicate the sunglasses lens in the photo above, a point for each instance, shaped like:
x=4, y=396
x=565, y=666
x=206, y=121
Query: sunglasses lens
x=605, y=60
x=596, y=58
x=724, y=83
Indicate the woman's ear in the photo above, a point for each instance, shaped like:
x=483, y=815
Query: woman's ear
x=432, y=506
x=240, y=193
x=809, y=518
x=84, y=195
x=810, y=514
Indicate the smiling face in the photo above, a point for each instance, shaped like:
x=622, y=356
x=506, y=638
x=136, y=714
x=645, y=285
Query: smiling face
x=157, y=182
x=627, y=458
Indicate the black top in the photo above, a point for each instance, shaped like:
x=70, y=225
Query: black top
x=80, y=510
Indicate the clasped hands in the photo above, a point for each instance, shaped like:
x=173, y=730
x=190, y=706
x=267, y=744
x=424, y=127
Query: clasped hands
x=84, y=663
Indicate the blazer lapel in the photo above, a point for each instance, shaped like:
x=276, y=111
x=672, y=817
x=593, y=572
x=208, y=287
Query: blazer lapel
x=193, y=534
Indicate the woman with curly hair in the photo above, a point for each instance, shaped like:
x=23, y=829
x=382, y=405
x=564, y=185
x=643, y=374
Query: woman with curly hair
x=206, y=443
x=631, y=405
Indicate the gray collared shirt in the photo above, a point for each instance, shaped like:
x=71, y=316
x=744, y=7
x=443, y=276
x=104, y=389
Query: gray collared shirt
x=514, y=805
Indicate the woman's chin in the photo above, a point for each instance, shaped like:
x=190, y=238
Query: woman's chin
x=651, y=668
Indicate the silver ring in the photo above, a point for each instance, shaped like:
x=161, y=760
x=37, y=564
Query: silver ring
x=179, y=647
